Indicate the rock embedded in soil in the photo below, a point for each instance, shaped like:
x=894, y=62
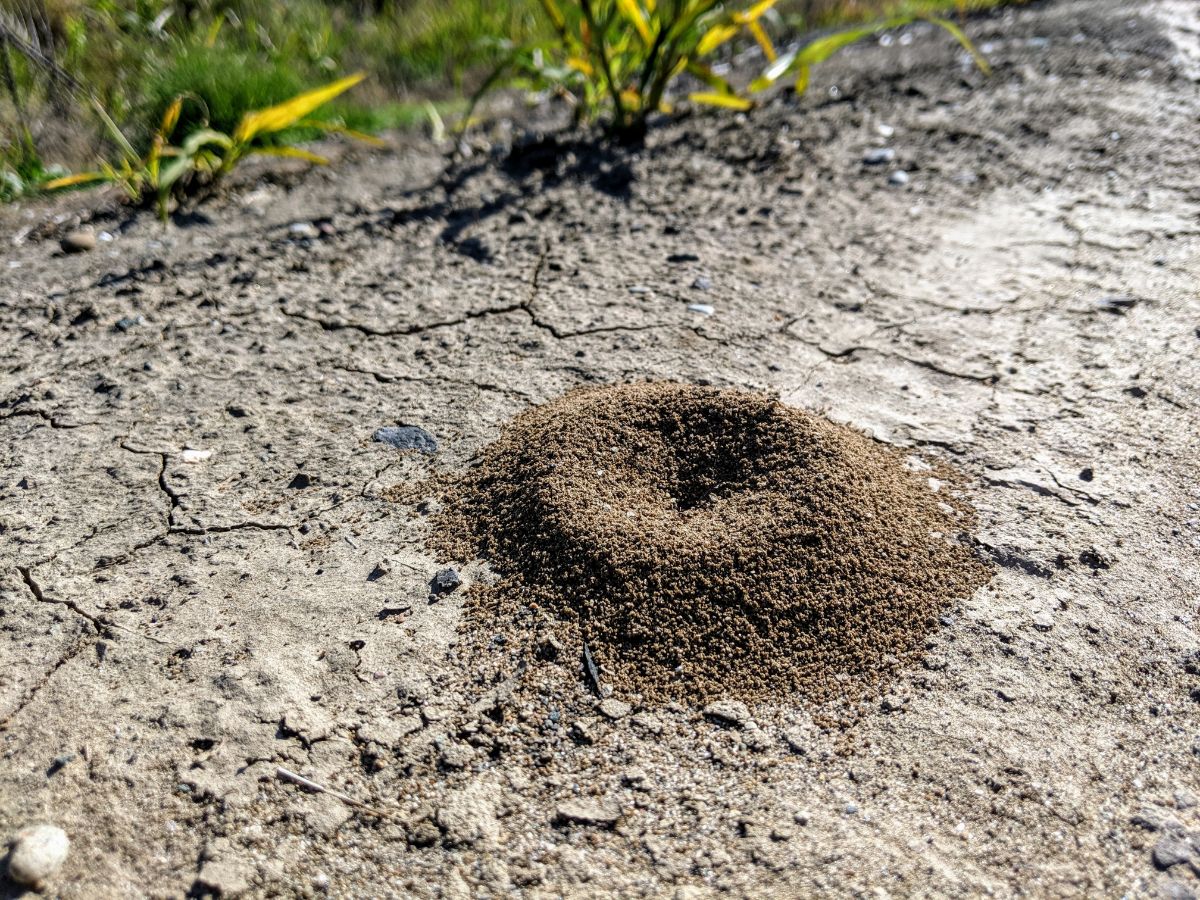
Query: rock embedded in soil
x=37, y=853
x=707, y=543
x=587, y=812
x=407, y=437
x=81, y=240
x=729, y=712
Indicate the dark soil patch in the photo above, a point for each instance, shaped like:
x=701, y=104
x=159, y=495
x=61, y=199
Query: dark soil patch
x=705, y=541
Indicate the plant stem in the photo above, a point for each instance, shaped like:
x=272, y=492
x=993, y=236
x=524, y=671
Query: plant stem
x=601, y=51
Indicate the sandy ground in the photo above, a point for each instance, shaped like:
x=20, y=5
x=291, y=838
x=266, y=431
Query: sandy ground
x=176, y=625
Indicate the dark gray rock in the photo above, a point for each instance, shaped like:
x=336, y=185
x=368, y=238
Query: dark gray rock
x=1170, y=851
x=445, y=581
x=407, y=437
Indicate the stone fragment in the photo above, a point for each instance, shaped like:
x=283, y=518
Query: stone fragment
x=614, y=709
x=587, y=812
x=729, y=713
x=407, y=437
x=80, y=240
x=37, y=853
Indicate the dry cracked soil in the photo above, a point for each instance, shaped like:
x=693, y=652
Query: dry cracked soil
x=206, y=580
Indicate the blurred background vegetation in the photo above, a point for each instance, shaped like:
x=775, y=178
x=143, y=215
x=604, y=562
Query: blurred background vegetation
x=135, y=56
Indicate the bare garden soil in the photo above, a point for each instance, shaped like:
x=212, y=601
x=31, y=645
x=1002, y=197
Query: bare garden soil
x=212, y=570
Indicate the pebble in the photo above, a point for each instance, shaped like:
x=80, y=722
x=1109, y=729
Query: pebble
x=192, y=457
x=587, y=812
x=445, y=581
x=899, y=178
x=893, y=703
x=729, y=712
x=703, y=308
x=37, y=852
x=407, y=437
x=1170, y=852
x=81, y=240
x=702, y=283
x=651, y=723
x=128, y=322
x=884, y=130
x=614, y=709
x=1043, y=621
x=303, y=230
x=798, y=740
x=880, y=156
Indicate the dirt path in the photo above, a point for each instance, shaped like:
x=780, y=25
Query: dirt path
x=176, y=625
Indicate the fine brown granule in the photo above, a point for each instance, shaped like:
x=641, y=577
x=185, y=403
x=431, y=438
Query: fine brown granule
x=706, y=542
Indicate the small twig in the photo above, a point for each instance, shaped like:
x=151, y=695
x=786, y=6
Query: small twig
x=288, y=775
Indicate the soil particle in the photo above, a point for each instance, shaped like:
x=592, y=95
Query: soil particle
x=703, y=541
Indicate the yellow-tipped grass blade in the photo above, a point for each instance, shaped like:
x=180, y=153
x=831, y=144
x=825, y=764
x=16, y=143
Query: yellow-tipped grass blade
x=967, y=44
x=555, y=14
x=579, y=64
x=334, y=128
x=170, y=118
x=728, y=101
x=714, y=38
x=760, y=35
x=291, y=153
x=286, y=114
x=631, y=11
x=754, y=13
x=57, y=184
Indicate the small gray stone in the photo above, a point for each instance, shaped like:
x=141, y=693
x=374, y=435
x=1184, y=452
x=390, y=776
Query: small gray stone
x=1170, y=852
x=649, y=722
x=798, y=740
x=37, y=852
x=583, y=731
x=1043, y=621
x=81, y=240
x=407, y=437
x=702, y=283
x=879, y=156
x=893, y=703
x=587, y=812
x=303, y=230
x=728, y=712
x=445, y=581
x=614, y=709
x=899, y=178
x=704, y=309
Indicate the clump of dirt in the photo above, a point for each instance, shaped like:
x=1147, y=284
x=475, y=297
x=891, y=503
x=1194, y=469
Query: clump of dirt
x=705, y=541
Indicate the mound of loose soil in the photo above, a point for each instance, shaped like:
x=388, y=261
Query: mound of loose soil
x=705, y=541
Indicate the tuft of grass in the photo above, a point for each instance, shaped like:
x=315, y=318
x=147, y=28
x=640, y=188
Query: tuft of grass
x=206, y=155
x=618, y=58
x=221, y=84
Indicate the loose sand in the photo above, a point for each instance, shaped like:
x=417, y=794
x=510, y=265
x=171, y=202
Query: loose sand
x=708, y=542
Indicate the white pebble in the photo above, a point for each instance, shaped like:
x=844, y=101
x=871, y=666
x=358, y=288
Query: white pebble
x=195, y=456
x=703, y=308
x=37, y=853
